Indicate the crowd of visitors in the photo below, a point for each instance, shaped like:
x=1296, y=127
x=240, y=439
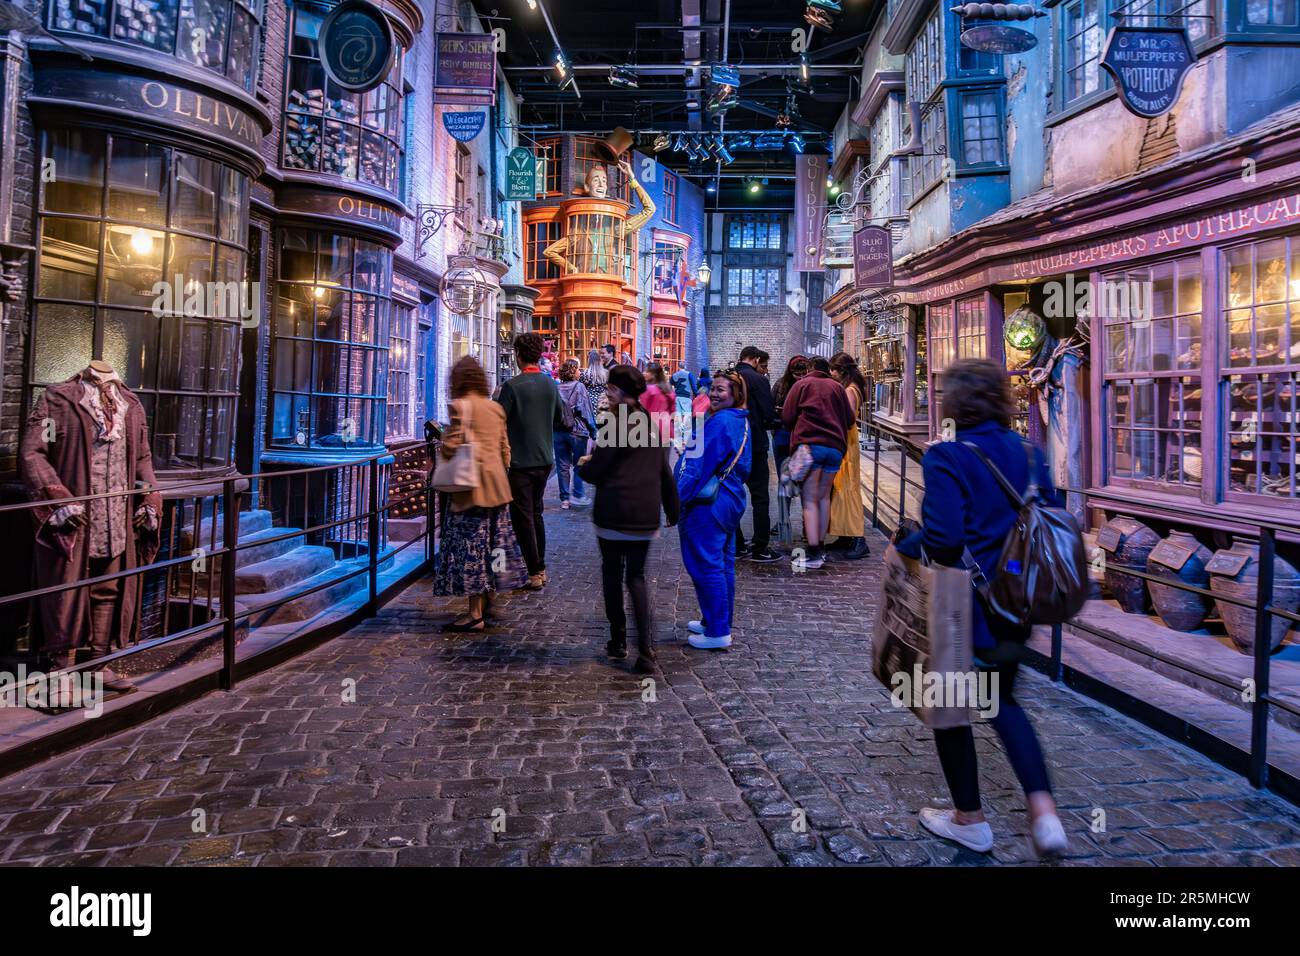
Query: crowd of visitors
x=720, y=429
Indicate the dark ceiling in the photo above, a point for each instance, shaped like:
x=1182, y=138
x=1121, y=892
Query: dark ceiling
x=671, y=43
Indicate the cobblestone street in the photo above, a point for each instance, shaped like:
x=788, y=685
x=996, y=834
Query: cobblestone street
x=530, y=728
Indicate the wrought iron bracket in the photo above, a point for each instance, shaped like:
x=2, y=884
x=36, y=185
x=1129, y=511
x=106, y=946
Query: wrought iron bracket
x=431, y=217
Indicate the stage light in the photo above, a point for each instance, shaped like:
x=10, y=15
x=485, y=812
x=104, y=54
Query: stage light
x=724, y=155
x=532, y=4
x=755, y=188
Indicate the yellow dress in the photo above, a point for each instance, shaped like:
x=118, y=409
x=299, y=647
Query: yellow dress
x=846, y=492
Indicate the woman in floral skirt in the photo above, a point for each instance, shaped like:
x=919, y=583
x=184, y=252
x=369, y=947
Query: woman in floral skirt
x=477, y=552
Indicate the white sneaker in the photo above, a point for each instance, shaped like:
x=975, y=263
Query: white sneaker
x=1048, y=835
x=973, y=836
x=810, y=564
x=695, y=627
x=703, y=643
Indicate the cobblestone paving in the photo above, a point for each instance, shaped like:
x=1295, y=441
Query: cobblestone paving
x=529, y=726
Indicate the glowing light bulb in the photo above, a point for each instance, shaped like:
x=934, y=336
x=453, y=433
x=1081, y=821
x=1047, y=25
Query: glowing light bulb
x=141, y=242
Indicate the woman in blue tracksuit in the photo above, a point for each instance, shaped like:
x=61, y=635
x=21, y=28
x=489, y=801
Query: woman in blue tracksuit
x=965, y=507
x=708, y=531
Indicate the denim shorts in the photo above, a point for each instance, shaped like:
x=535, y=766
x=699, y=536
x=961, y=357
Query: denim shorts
x=826, y=458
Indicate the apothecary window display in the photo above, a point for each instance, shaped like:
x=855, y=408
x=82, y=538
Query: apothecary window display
x=143, y=253
x=1261, y=363
x=217, y=35
x=331, y=340
x=330, y=130
x=1153, y=390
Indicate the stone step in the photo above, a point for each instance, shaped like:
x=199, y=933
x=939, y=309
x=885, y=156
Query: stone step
x=309, y=605
x=280, y=572
x=250, y=522
x=251, y=552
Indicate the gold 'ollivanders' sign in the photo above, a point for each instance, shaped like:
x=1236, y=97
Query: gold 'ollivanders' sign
x=336, y=206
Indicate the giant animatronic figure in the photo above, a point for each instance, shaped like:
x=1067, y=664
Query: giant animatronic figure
x=88, y=436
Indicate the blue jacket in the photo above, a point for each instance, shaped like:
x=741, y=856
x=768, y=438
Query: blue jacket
x=965, y=507
x=723, y=433
x=683, y=383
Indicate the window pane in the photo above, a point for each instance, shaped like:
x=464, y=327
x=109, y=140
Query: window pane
x=137, y=181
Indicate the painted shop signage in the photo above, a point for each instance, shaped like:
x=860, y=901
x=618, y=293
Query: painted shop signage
x=873, y=258
x=464, y=126
x=465, y=69
x=406, y=288
x=1149, y=64
x=809, y=211
x=354, y=209
x=357, y=47
x=521, y=174
x=164, y=103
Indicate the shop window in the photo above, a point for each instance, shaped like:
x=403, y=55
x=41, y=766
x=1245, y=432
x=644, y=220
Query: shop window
x=423, y=339
x=217, y=35
x=328, y=129
x=589, y=152
x=462, y=186
x=1082, y=37
x=670, y=198
x=1260, y=361
x=756, y=231
x=924, y=66
x=596, y=244
x=927, y=169
x=668, y=259
x=537, y=266
x=1272, y=13
x=330, y=341
x=587, y=330
x=972, y=335
x=548, y=327
x=1152, y=372
x=943, y=343
x=668, y=345
x=549, y=150
x=122, y=216
x=750, y=287
x=401, y=373
x=981, y=128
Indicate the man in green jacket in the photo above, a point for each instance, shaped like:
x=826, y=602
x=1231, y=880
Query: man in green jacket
x=533, y=412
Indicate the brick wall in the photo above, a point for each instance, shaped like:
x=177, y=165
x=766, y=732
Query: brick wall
x=777, y=329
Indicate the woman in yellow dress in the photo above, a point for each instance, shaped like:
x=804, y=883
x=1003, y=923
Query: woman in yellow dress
x=846, y=493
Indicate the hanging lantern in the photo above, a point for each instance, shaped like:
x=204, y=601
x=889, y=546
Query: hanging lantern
x=464, y=285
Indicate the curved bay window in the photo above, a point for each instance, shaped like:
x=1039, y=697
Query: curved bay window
x=330, y=130
x=331, y=341
x=143, y=256
x=587, y=330
x=217, y=35
x=596, y=244
x=668, y=345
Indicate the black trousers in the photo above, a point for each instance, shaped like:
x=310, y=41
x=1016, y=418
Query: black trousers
x=759, y=501
x=624, y=561
x=527, y=485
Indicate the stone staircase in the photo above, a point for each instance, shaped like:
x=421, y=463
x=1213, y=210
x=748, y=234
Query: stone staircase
x=274, y=563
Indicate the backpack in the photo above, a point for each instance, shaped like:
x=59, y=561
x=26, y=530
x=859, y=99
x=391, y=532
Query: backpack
x=1042, y=573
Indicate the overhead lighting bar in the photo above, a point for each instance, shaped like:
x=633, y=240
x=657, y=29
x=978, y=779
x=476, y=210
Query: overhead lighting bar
x=561, y=63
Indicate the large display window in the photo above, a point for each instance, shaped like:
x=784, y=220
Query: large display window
x=596, y=244
x=330, y=130
x=122, y=216
x=217, y=35
x=331, y=341
x=587, y=330
x=668, y=345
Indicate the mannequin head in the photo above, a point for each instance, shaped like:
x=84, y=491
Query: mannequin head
x=597, y=181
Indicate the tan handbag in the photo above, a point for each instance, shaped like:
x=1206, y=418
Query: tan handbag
x=460, y=471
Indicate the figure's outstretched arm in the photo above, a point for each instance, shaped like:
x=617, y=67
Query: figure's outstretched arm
x=557, y=252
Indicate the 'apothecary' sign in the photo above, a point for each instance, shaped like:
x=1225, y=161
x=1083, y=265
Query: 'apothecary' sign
x=1149, y=64
x=357, y=47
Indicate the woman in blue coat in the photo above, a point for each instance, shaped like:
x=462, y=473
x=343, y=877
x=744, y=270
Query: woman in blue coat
x=708, y=530
x=966, y=508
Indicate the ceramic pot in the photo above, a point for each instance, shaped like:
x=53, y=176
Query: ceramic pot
x=1180, y=557
x=1127, y=542
x=1235, y=572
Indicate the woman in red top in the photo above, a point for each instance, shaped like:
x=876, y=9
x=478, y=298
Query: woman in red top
x=659, y=401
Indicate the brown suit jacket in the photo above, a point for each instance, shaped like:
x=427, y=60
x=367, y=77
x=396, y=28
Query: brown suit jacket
x=487, y=430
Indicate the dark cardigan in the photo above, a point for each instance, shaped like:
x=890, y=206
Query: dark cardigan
x=632, y=484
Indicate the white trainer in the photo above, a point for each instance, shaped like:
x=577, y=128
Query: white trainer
x=1048, y=835
x=703, y=643
x=973, y=836
x=695, y=627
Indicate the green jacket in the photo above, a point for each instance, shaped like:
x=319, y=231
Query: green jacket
x=532, y=404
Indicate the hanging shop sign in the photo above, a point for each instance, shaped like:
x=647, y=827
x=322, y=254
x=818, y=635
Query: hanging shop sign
x=464, y=126
x=1149, y=64
x=809, y=211
x=724, y=74
x=998, y=38
x=521, y=174
x=465, y=69
x=357, y=46
x=873, y=258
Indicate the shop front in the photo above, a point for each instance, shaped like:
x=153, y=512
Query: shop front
x=669, y=317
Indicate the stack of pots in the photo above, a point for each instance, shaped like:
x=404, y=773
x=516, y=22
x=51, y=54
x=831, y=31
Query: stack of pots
x=1235, y=572
x=1180, y=557
x=1127, y=543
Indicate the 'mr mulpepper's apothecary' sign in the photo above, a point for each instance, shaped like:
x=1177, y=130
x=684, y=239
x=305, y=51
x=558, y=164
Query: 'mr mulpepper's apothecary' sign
x=357, y=47
x=1149, y=64
x=873, y=258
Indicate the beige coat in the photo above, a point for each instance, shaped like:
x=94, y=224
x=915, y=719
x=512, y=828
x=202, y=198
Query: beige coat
x=487, y=430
